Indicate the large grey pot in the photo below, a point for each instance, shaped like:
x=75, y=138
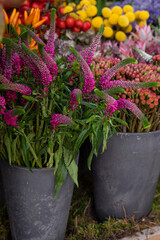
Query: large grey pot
x=34, y=214
x=126, y=174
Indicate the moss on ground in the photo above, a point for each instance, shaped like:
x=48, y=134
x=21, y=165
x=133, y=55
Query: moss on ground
x=82, y=224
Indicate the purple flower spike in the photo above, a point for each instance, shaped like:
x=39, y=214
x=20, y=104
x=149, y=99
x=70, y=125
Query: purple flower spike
x=8, y=64
x=52, y=66
x=51, y=38
x=60, y=119
x=10, y=118
x=2, y=105
x=75, y=94
x=89, y=78
x=106, y=77
x=123, y=103
x=8, y=85
x=25, y=90
x=111, y=105
x=88, y=53
x=130, y=84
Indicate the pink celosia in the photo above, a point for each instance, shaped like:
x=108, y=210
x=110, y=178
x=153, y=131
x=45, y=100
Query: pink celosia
x=88, y=53
x=89, y=83
x=11, y=95
x=2, y=105
x=16, y=63
x=74, y=95
x=8, y=64
x=60, y=119
x=106, y=77
x=51, y=38
x=10, y=118
x=111, y=105
x=123, y=103
x=25, y=90
x=52, y=66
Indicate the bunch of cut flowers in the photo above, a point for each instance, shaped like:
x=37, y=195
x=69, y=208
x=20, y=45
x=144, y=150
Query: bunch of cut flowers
x=49, y=107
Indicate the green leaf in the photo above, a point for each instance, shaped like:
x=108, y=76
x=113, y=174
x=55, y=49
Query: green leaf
x=90, y=159
x=121, y=121
x=90, y=105
x=92, y=118
x=58, y=156
x=144, y=55
x=115, y=90
x=61, y=175
x=8, y=146
x=25, y=152
x=29, y=98
x=71, y=166
x=83, y=135
x=14, y=148
x=18, y=111
x=145, y=122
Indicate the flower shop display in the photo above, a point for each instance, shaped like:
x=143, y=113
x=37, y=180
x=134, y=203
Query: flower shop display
x=48, y=107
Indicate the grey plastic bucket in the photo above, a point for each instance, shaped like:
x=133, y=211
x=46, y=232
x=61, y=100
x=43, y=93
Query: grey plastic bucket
x=126, y=174
x=33, y=212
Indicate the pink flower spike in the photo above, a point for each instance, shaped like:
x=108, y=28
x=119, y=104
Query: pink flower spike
x=2, y=105
x=111, y=105
x=51, y=38
x=60, y=119
x=10, y=118
x=123, y=103
x=75, y=94
x=88, y=53
x=89, y=78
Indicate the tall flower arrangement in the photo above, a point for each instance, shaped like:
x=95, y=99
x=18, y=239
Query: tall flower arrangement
x=44, y=117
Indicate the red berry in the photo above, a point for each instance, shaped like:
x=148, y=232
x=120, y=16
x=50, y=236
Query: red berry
x=58, y=32
x=47, y=18
x=61, y=9
x=76, y=29
x=86, y=26
x=70, y=21
x=61, y=24
x=79, y=23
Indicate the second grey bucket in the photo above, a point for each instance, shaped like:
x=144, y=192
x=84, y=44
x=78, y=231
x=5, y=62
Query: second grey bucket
x=126, y=174
x=34, y=214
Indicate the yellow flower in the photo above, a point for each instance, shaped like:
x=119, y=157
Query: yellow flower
x=97, y=21
x=82, y=14
x=141, y=23
x=91, y=11
x=106, y=12
x=130, y=16
x=128, y=29
x=106, y=23
x=137, y=14
x=113, y=19
x=123, y=21
x=128, y=8
x=108, y=32
x=84, y=3
x=72, y=4
x=67, y=9
x=74, y=15
x=120, y=36
x=93, y=2
x=118, y=10
x=143, y=15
